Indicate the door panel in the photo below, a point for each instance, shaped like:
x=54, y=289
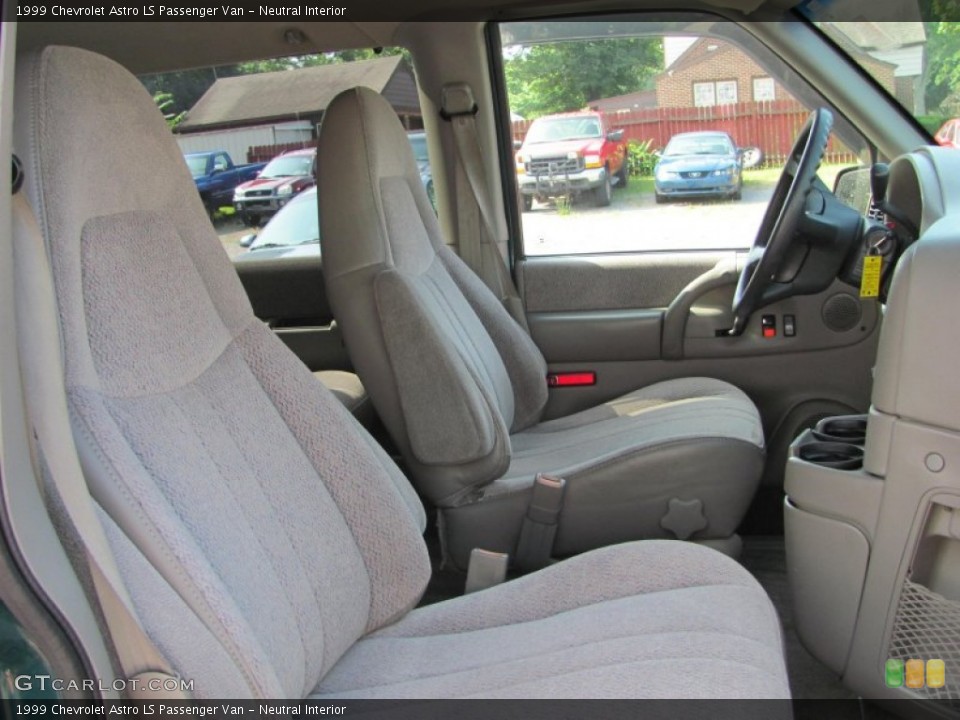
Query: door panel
x=288, y=294
x=824, y=369
x=609, y=282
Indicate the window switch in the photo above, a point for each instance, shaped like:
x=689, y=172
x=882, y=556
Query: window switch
x=789, y=326
x=768, y=326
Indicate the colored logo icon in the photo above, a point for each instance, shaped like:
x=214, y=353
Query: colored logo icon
x=914, y=673
x=893, y=673
x=936, y=674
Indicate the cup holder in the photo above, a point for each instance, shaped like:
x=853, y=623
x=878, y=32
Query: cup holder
x=836, y=455
x=851, y=429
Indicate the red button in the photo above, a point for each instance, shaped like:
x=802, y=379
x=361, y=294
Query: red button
x=769, y=332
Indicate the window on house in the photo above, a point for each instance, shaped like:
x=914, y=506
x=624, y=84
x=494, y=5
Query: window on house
x=727, y=92
x=764, y=89
x=672, y=168
x=704, y=94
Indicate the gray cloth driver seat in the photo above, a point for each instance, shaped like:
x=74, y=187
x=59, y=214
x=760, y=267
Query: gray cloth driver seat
x=461, y=387
x=270, y=548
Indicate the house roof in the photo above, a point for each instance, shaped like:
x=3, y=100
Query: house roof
x=246, y=99
x=882, y=35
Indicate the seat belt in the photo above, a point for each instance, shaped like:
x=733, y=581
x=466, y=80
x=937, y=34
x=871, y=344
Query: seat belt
x=146, y=670
x=539, y=529
x=480, y=247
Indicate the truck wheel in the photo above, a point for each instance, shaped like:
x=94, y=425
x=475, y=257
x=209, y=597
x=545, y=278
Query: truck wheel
x=603, y=194
x=527, y=202
x=251, y=220
x=623, y=177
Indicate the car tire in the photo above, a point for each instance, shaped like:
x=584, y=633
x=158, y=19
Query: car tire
x=527, y=202
x=603, y=194
x=250, y=220
x=623, y=176
x=660, y=199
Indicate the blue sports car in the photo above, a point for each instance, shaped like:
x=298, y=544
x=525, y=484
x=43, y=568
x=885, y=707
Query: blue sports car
x=699, y=164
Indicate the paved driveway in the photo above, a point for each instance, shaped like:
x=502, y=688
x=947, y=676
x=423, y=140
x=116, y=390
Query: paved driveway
x=635, y=222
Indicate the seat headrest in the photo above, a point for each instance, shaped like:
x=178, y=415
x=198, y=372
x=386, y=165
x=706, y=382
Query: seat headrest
x=118, y=208
x=366, y=169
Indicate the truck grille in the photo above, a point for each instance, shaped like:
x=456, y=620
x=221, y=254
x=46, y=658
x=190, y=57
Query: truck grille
x=554, y=166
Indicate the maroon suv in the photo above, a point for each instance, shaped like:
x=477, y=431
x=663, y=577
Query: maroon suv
x=284, y=177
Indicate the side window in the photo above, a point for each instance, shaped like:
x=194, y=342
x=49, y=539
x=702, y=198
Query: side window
x=700, y=121
x=267, y=208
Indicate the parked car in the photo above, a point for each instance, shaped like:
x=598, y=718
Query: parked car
x=282, y=178
x=571, y=154
x=699, y=164
x=217, y=177
x=949, y=134
x=294, y=231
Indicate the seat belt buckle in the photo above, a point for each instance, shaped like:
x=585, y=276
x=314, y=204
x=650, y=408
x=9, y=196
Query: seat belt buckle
x=539, y=529
x=486, y=569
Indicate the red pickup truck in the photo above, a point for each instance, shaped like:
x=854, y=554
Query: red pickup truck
x=570, y=154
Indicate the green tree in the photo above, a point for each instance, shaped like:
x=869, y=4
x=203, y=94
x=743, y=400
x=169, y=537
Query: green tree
x=164, y=101
x=562, y=76
x=943, y=63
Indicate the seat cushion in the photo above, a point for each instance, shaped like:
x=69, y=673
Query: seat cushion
x=624, y=462
x=347, y=388
x=652, y=619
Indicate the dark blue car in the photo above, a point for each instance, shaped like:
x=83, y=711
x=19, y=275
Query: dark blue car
x=699, y=164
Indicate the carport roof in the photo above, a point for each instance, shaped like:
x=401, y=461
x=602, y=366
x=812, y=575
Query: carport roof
x=285, y=94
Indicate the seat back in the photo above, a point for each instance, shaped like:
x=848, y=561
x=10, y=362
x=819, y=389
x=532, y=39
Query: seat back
x=448, y=369
x=259, y=529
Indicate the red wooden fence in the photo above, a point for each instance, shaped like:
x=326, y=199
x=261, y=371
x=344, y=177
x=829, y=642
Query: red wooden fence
x=266, y=153
x=771, y=126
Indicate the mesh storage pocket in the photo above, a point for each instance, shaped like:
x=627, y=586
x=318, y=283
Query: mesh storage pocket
x=927, y=627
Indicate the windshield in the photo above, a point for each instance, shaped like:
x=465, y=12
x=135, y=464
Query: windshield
x=288, y=166
x=297, y=224
x=569, y=128
x=917, y=63
x=197, y=164
x=704, y=145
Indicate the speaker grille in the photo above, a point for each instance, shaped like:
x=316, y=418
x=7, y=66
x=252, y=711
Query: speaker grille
x=841, y=312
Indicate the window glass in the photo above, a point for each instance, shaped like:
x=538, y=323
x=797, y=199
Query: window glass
x=651, y=136
x=917, y=63
x=216, y=115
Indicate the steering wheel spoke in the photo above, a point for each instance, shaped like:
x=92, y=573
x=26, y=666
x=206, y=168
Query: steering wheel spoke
x=782, y=218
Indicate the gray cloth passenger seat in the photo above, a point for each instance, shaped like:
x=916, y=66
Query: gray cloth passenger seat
x=462, y=388
x=270, y=547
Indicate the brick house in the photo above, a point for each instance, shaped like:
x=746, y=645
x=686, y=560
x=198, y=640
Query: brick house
x=714, y=72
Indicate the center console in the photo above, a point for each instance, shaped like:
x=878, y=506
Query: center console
x=872, y=513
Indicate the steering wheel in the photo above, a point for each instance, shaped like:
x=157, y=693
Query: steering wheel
x=782, y=217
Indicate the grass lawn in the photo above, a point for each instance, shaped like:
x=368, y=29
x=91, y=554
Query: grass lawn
x=641, y=187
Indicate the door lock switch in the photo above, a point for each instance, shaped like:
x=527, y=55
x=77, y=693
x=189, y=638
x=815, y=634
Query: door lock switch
x=768, y=326
x=789, y=325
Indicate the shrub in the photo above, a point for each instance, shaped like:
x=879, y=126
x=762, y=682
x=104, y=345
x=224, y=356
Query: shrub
x=640, y=158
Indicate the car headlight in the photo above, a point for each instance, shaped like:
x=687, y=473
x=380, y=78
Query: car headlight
x=285, y=190
x=667, y=175
x=592, y=161
x=724, y=172
x=238, y=194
